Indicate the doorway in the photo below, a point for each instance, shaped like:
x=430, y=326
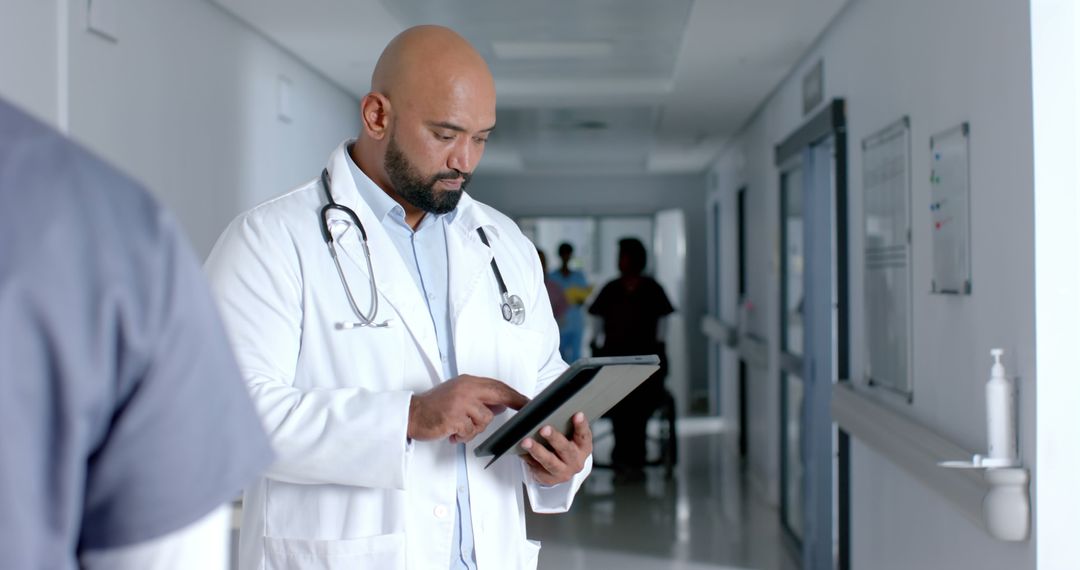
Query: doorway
x=814, y=344
x=744, y=368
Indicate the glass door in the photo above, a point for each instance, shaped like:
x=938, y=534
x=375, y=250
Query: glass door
x=812, y=163
x=792, y=466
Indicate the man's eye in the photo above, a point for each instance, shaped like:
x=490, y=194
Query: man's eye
x=444, y=137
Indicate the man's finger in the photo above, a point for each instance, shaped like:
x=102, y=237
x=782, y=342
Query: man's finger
x=538, y=471
x=480, y=415
x=562, y=446
x=582, y=430
x=496, y=393
x=545, y=458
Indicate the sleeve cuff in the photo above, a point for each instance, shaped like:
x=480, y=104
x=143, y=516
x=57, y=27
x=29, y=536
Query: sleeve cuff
x=546, y=499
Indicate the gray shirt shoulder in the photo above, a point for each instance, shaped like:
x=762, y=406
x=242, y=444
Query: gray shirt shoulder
x=123, y=414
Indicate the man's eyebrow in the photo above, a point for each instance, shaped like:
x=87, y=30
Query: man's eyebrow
x=453, y=127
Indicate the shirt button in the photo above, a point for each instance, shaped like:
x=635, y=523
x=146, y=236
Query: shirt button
x=431, y=296
x=440, y=512
x=461, y=489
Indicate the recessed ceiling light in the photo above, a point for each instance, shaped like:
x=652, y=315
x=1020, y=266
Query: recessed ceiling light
x=592, y=125
x=551, y=50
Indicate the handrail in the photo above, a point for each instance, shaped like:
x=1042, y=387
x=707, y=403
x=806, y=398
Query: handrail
x=751, y=347
x=913, y=447
x=754, y=349
x=717, y=330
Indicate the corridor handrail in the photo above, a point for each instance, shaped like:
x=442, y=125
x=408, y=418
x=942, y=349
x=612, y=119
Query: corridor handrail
x=912, y=446
x=751, y=347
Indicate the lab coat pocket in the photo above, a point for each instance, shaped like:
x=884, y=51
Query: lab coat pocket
x=382, y=552
x=530, y=555
x=518, y=357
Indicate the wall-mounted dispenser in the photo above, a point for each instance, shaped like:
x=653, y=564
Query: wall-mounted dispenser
x=1007, y=506
x=1000, y=416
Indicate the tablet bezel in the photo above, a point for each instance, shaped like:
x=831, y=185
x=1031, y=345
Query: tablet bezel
x=570, y=382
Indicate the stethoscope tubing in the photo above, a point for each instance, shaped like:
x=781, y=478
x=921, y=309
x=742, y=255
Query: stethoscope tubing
x=511, y=306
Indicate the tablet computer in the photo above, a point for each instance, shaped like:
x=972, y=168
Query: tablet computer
x=590, y=385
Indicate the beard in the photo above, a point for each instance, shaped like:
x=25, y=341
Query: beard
x=417, y=190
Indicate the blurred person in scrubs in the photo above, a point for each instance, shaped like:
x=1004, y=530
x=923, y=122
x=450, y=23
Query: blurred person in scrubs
x=125, y=426
x=556, y=295
x=577, y=289
x=384, y=320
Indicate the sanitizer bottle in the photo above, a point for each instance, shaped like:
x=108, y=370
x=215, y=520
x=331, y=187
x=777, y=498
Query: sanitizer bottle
x=1000, y=416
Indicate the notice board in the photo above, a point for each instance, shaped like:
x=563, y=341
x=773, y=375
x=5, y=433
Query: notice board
x=950, y=205
x=886, y=169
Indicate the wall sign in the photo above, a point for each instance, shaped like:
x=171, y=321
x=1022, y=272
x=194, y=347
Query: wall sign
x=886, y=165
x=950, y=204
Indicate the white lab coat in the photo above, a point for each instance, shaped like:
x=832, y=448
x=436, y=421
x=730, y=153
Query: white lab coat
x=348, y=491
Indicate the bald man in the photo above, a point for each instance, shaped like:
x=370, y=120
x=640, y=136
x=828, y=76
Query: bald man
x=384, y=321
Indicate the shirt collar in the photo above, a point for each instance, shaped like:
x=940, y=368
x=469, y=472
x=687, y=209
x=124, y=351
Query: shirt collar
x=381, y=204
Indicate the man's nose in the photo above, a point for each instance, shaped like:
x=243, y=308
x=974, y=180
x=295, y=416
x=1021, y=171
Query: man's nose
x=463, y=157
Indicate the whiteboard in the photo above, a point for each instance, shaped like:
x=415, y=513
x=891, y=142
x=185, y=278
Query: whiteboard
x=886, y=166
x=950, y=192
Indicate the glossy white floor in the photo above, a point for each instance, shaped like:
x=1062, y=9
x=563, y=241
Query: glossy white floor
x=704, y=518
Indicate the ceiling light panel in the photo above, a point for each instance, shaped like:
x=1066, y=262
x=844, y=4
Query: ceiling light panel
x=568, y=39
x=507, y=50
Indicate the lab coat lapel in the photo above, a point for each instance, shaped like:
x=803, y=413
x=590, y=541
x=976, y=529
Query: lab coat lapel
x=470, y=259
x=395, y=284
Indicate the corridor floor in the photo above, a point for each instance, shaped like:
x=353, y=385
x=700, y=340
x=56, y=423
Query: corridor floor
x=706, y=517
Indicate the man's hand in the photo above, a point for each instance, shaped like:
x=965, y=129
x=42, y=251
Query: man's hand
x=566, y=457
x=460, y=408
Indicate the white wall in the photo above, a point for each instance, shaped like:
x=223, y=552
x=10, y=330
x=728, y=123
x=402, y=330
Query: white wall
x=941, y=63
x=749, y=164
x=30, y=56
x=185, y=101
x=527, y=195
x=1055, y=26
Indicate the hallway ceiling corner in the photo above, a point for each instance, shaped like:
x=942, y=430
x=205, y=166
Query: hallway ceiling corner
x=584, y=85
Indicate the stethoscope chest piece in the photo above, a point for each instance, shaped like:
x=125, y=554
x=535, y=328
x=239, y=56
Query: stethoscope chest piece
x=513, y=309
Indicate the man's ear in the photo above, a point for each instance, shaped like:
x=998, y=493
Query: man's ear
x=375, y=115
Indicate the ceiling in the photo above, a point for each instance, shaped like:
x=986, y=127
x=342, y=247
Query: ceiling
x=629, y=86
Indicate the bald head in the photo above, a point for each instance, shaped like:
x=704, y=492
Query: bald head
x=426, y=58
x=427, y=118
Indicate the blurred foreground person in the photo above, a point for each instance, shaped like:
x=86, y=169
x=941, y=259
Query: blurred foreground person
x=633, y=308
x=124, y=426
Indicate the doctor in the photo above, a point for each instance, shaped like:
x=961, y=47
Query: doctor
x=383, y=320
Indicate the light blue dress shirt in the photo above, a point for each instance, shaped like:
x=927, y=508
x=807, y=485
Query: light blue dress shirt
x=424, y=253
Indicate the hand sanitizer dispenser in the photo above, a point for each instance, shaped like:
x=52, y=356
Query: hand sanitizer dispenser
x=1006, y=505
x=1000, y=416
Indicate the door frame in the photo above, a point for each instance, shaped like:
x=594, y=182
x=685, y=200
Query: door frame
x=714, y=303
x=819, y=349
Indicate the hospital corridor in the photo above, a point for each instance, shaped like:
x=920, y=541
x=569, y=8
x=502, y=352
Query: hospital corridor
x=558, y=285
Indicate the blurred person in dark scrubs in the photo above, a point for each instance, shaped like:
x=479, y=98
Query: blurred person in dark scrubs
x=632, y=309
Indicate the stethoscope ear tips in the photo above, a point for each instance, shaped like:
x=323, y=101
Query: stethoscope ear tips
x=513, y=309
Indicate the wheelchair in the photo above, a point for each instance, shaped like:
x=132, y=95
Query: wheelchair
x=661, y=444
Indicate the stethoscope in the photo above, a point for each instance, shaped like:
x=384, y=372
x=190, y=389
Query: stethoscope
x=511, y=306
